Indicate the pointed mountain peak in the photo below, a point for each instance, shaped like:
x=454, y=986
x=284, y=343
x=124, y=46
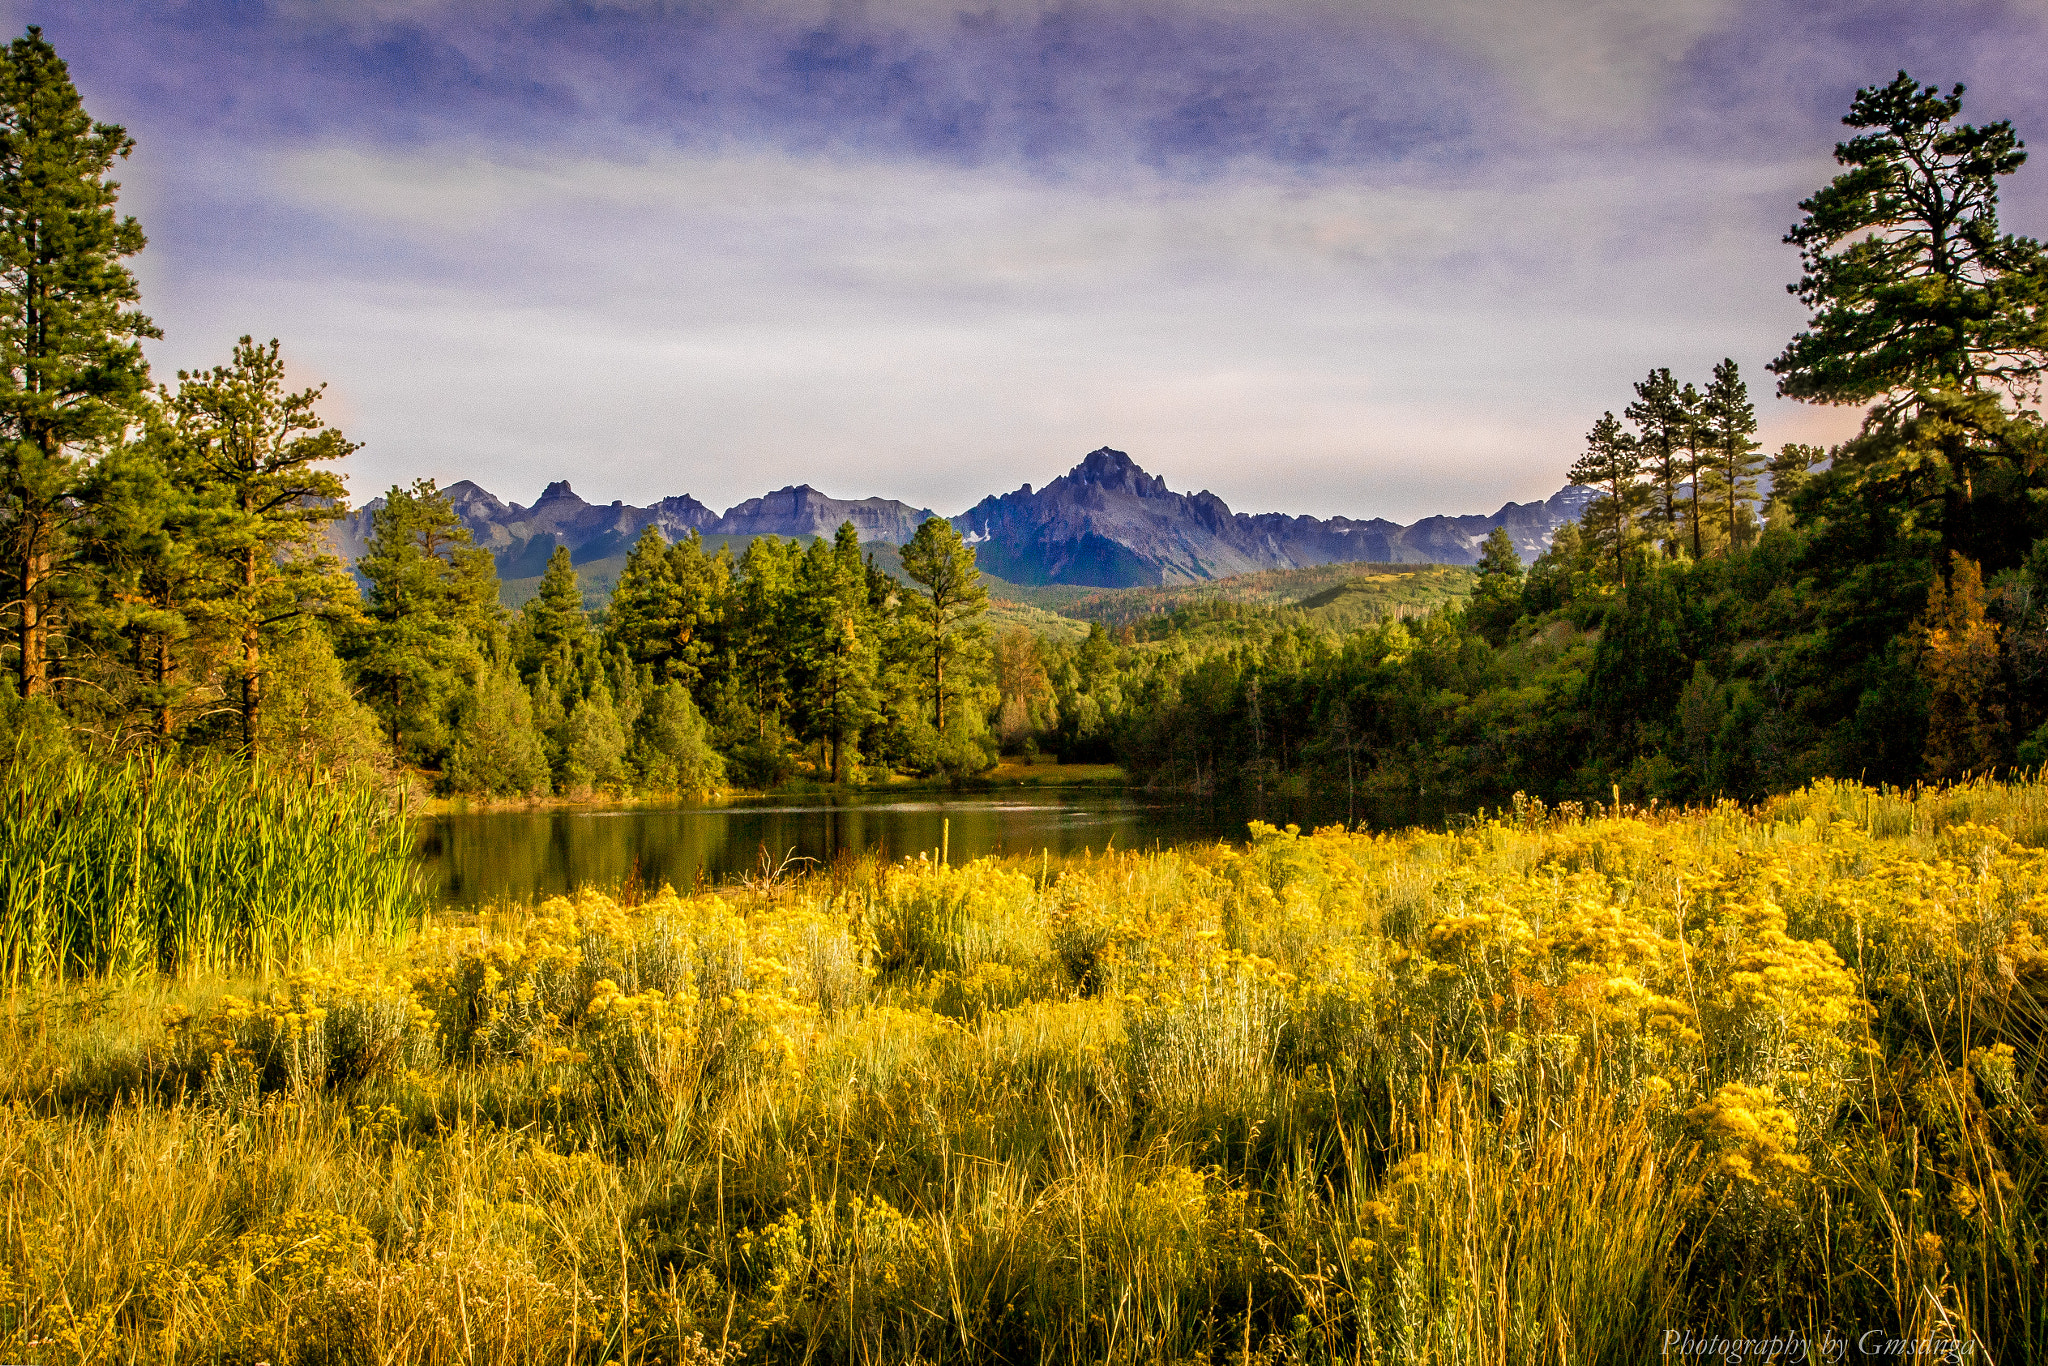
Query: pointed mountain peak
x=1115, y=472
x=559, y=489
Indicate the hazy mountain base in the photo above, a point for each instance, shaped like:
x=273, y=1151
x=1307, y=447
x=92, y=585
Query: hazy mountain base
x=1336, y=596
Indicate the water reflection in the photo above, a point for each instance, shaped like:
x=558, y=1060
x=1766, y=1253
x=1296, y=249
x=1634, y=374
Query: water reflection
x=478, y=857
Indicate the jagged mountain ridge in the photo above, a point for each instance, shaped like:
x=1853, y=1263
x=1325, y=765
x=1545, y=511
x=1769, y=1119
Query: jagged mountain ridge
x=1106, y=523
x=520, y=539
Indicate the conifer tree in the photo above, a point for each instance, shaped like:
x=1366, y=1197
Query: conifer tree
x=72, y=375
x=1914, y=286
x=1729, y=423
x=842, y=646
x=1925, y=309
x=433, y=602
x=1496, y=601
x=593, y=745
x=644, y=615
x=764, y=627
x=498, y=751
x=556, y=624
x=1789, y=470
x=668, y=606
x=1694, y=458
x=159, y=598
x=703, y=595
x=259, y=450
x=1661, y=422
x=946, y=614
x=673, y=752
x=1612, y=463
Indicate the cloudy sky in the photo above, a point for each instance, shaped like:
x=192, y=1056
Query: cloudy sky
x=1371, y=257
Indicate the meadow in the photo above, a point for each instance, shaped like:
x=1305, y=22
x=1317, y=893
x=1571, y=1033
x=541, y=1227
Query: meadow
x=1541, y=1087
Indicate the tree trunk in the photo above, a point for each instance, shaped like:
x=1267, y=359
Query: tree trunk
x=939, y=670
x=163, y=694
x=252, y=652
x=1698, y=549
x=39, y=525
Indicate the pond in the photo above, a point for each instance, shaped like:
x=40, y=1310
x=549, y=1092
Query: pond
x=478, y=857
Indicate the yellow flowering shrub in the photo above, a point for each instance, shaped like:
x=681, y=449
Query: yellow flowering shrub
x=320, y=1026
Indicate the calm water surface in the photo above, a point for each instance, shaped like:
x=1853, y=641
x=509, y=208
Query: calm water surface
x=478, y=857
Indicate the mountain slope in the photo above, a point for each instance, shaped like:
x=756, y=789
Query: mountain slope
x=1106, y=523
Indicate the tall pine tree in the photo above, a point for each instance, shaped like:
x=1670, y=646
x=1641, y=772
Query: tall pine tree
x=1728, y=419
x=433, y=603
x=946, y=614
x=261, y=450
x=1612, y=463
x=1661, y=421
x=72, y=375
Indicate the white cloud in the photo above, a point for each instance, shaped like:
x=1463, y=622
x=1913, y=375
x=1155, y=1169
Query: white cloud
x=724, y=324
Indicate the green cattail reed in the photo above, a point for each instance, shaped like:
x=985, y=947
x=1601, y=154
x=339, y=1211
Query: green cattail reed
x=139, y=866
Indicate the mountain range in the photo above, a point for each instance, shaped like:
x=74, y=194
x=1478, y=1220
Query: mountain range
x=1106, y=523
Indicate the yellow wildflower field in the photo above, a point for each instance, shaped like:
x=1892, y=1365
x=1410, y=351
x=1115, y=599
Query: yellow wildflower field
x=1543, y=1087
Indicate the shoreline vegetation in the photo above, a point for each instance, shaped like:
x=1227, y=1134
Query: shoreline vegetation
x=1046, y=774
x=1544, y=1087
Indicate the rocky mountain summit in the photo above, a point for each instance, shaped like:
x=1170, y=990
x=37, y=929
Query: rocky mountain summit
x=1106, y=523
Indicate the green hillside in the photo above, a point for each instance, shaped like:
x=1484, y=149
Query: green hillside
x=1340, y=596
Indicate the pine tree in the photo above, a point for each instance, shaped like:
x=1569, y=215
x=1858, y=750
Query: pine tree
x=72, y=375
x=593, y=746
x=841, y=647
x=158, y=601
x=1661, y=423
x=1613, y=464
x=260, y=449
x=673, y=751
x=433, y=602
x=498, y=750
x=1926, y=310
x=1496, y=602
x=946, y=614
x=312, y=720
x=1789, y=470
x=644, y=617
x=1913, y=285
x=704, y=592
x=1694, y=458
x=761, y=630
x=556, y=624
x=1729, y=422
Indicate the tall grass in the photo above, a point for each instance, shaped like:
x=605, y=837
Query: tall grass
x=1547, y=1089
x=139, y=865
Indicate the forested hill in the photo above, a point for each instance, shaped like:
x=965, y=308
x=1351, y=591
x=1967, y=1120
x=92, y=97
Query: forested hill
x=1106, y=523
